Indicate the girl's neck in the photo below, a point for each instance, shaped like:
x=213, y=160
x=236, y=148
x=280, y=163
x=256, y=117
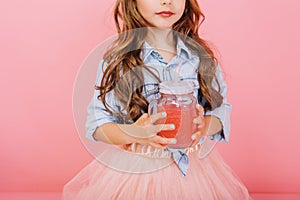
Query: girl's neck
x=162, y=40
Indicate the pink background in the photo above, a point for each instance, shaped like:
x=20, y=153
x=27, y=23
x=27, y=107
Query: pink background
x=43, y=44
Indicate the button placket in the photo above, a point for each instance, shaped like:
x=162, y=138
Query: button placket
x=168, y=72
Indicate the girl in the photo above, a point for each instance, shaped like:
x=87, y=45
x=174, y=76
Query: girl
x=155, y=36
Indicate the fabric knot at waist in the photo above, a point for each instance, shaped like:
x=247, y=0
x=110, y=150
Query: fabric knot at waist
x=180, y=156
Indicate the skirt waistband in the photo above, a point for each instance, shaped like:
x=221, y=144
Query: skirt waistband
x=153, y=152
x=203, y=148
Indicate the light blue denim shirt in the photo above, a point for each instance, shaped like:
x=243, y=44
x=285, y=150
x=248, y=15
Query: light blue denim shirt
x=98, y=115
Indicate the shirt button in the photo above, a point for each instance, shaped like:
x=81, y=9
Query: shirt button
x=168, y=68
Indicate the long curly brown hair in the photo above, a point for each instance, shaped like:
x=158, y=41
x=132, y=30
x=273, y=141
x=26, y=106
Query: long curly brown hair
x=123, y=57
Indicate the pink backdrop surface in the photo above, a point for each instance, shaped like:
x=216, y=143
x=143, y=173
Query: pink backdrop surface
x=43, y=44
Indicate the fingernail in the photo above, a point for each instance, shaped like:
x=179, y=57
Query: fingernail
x=196, y=121
x=172, y=126
x=201, y=140
x=200, y=126
x=173, y=141
x=194, y=136
x=163, y=114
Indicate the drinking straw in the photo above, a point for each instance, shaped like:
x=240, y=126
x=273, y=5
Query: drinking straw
x=176, y=75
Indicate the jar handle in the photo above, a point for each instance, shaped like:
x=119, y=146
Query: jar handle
x=152, y=108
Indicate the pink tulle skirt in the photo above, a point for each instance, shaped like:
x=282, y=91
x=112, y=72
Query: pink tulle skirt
x=139, y=173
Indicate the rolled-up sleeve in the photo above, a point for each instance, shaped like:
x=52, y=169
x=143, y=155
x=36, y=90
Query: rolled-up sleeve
x=97, y=114
x=222, y=112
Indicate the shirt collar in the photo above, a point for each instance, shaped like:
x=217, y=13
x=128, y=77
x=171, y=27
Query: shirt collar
x=181, y=49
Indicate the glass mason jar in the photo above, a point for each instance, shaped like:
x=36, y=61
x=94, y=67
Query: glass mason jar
x=178, y=101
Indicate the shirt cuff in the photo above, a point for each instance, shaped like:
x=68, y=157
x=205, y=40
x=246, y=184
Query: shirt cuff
x=223, y=114
x=91, y=128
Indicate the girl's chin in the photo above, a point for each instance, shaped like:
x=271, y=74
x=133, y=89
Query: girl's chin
x=163, y=26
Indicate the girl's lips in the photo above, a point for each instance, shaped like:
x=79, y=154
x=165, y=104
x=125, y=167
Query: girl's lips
x=165, y=13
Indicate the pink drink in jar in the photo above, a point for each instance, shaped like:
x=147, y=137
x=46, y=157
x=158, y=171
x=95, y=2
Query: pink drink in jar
x=178, y=102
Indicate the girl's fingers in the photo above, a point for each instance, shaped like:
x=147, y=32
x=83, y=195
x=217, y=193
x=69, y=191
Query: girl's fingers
x=157, y=116
x=146, y=131
x=156, y=145
x=163, y=127
x=145, y=119
x=196, y=138
x=142, y=120
x=163, y=141
x=199, y=121
x=200, y=109
x=158, y=142
x=149, y=131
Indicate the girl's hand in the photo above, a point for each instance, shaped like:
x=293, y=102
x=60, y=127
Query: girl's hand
x=144, y=131
x=200, y=121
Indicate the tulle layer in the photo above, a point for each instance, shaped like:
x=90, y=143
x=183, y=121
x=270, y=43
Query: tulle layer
x=118, y=174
